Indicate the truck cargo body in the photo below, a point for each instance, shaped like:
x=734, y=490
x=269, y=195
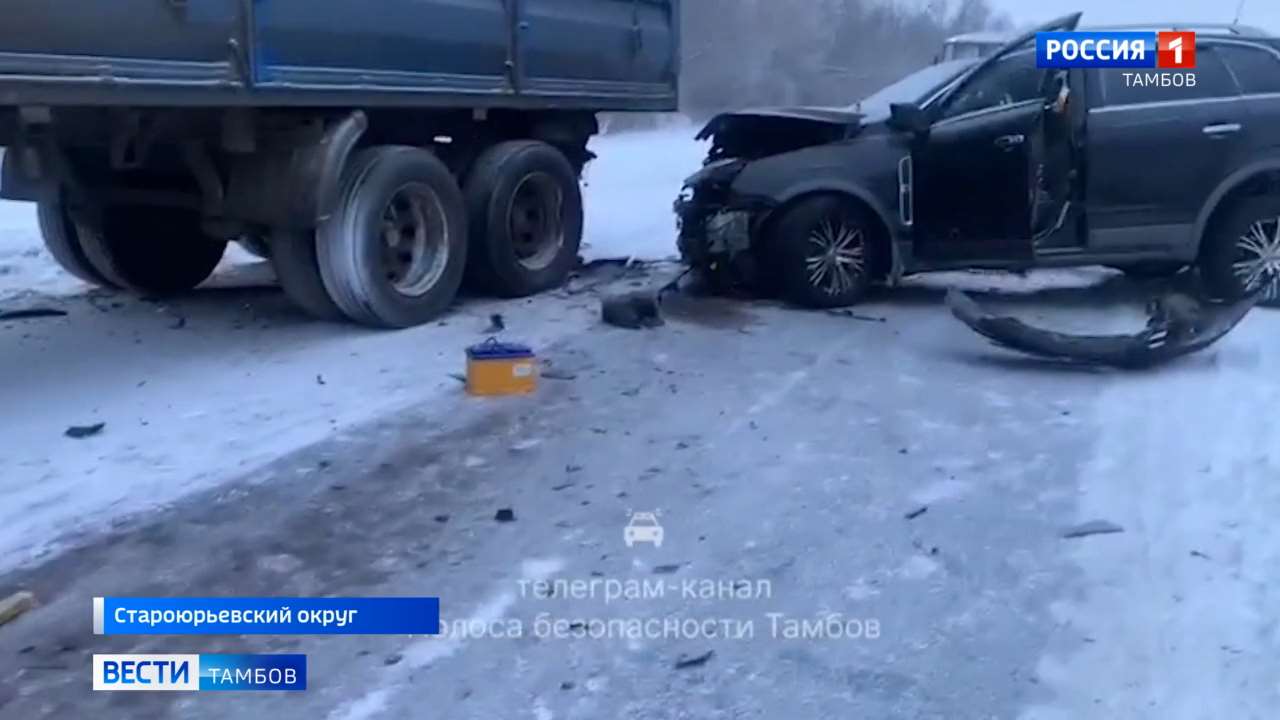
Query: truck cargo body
x=372, y=149
x=591, y=54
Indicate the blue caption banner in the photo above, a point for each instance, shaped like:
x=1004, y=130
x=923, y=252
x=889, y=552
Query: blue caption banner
x=1096, y=49
x=266, y=616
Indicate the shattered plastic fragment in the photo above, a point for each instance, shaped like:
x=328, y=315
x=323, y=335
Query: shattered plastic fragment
x=1177, y=325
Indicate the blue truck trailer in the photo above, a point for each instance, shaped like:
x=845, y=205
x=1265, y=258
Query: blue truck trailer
x=379, y=152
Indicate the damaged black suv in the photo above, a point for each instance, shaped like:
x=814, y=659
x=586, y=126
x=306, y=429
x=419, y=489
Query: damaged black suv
x=995, y=163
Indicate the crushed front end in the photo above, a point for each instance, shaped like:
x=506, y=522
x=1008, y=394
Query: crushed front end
x=717, y=223
x=716, y=226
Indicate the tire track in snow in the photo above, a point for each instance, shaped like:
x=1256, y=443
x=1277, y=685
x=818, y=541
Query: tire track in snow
x=1187, y=462
x=425, y=652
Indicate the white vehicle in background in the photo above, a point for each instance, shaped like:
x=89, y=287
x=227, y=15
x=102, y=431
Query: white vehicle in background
x=972, y=45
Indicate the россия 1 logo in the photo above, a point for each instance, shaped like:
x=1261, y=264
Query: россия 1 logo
x=1122, y=49
x=1116, y=49
x=1176, y=50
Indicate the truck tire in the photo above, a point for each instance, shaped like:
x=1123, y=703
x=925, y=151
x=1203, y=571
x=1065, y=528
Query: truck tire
x=151, y=250
x=525, y=211
x=393, y=252
x=825, y=247
x=293, y=255
x=1241, y=251
x=62, y=240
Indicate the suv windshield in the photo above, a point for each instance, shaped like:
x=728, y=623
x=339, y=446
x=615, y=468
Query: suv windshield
x=913, y=88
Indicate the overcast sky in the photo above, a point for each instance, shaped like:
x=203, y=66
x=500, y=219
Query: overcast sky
x=1261, y=13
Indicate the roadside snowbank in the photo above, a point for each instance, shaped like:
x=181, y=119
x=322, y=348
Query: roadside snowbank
x=630, y=188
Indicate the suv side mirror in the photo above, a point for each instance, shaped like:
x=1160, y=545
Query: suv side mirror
x=908, y=117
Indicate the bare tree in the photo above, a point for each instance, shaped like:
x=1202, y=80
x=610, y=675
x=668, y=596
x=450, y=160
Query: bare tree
x=771, y=52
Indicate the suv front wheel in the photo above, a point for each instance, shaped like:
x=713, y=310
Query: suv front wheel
x=1241, y=253
x=825, y=248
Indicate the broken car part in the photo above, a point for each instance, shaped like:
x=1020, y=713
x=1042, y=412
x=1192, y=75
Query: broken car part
x=32, y=313
x=16, y=604
x=632, y=311
x=1177, y=325
x=1092, y=527
x=78, y=432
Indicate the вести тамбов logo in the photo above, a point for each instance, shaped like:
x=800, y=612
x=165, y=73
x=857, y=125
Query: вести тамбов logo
x=203, y=672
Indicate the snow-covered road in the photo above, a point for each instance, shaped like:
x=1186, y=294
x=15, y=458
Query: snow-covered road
x=781, y=446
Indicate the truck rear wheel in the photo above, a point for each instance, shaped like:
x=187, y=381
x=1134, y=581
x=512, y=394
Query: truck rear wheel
x=525, y=211
x=62, y=240
x=393, y=252
x=150, y=250
x=293, y=255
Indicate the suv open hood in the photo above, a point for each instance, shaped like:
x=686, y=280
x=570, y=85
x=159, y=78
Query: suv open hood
x=822, y=115
x=757, y=133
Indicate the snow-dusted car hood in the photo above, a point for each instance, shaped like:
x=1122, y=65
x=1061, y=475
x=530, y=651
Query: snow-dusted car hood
x=752, y=134
x=843, y=117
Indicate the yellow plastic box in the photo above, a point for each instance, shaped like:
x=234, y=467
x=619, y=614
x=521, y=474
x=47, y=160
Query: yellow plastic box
x=497, y=368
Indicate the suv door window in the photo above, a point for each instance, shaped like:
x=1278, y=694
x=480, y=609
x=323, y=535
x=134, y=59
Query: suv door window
x=1133, y=87
x=1012, y=79
x=1256, y=70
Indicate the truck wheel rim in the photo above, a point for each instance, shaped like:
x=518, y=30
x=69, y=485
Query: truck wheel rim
x=1257, y=263
x=535, y=220
x=836, y=257
x=415, y=240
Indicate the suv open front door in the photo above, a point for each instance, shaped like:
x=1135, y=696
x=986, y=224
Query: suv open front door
x=975, y=179
x=980, y=170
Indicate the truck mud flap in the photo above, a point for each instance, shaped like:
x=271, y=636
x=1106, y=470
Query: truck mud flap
x=18, y=182
x=295, y=184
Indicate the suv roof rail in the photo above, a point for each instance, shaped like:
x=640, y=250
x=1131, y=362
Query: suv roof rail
x=1209, y=28
x=982, y=36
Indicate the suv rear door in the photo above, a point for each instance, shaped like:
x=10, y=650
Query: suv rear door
x=1155, y=153
x=1256, y=68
